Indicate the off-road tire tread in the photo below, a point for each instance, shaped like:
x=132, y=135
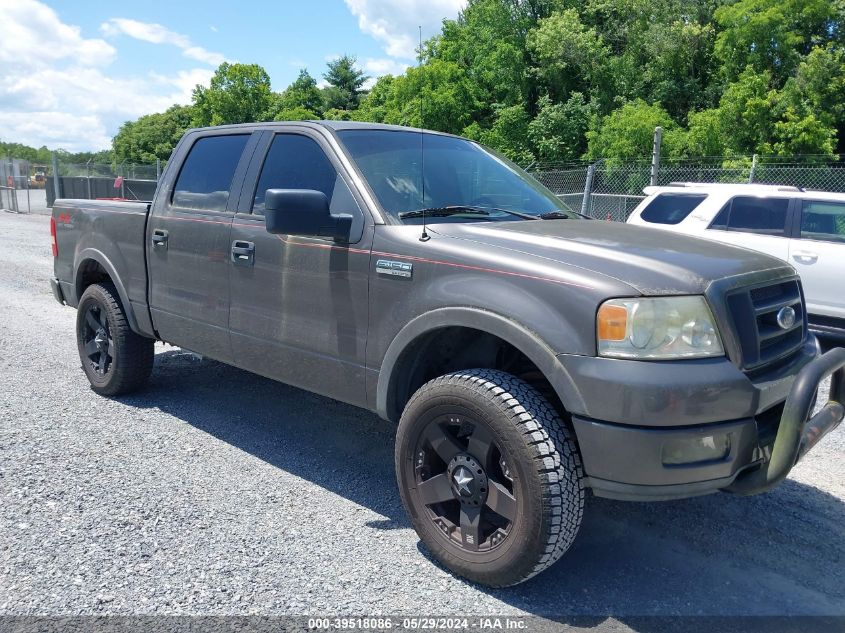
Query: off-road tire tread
x=556, y=458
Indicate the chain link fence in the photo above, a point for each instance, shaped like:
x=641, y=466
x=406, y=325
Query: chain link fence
x=29, y=187
x=610, y=190
x=603, y=189
x=93, y=181
x=22, y=185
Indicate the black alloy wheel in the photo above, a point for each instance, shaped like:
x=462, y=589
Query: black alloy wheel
x=464, y=481
x=97, y=342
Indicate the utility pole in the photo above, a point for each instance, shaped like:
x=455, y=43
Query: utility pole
x=655, y=154
x=588, y=189
x=57, y=185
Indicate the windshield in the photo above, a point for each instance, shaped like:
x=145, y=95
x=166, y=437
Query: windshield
x=459, y=175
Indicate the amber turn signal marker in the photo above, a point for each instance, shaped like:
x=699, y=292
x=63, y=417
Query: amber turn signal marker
x=612, y=323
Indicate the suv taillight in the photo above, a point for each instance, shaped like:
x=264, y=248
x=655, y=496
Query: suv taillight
x=55, y=244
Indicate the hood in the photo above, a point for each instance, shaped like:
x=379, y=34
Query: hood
x=652, y=261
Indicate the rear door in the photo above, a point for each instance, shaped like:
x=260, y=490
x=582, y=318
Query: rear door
x=760, y=223
x=299, y=305
x=818, y=253
x=188, y=238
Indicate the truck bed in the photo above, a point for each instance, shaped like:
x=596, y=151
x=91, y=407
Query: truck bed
x=107, y=234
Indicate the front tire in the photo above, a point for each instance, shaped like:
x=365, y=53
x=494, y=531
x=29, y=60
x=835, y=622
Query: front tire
x=115, y=359
x=489, y=475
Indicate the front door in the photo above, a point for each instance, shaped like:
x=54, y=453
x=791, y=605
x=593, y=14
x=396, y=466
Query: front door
x=188, y=253
x=818, y=254
x=299, y=304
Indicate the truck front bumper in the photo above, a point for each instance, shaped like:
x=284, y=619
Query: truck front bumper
x=745, y=456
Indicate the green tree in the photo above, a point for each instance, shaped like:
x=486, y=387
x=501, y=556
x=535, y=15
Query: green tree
x=628, y=132
x=674, y=64
x=747, y=111
x=487, y=40
x=705, y=134
x=374, y=106
x=336, y=114
x=40, y=156
x=508, y=135
x=558, y=132
x=753, y=118
x=447, y=94
x=570, y=55
x=345, y=83
x=303, y=93
x=558, y=79
x=152, y=136
x=658, y=50
x=296, y=114
x=772, y=35
x=801, y=133
x=238, y=93
x=821, y=81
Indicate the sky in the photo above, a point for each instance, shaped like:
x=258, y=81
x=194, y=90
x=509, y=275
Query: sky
x=72, y=72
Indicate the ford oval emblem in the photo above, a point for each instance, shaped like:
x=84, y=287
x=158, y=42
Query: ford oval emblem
x=786, y=317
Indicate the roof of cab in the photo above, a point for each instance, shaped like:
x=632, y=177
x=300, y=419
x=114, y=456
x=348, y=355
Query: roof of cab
x=332, y=125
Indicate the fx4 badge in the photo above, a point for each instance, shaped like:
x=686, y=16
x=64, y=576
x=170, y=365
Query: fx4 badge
x=397, y=269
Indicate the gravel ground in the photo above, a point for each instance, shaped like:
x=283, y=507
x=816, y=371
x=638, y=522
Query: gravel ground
x=218, y=492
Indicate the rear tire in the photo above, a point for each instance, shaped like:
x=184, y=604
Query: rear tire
x=115, y=359
x=489, y=475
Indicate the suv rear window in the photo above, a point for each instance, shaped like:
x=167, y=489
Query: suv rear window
x=671, y=208
x=751, y=214
x=822, y=220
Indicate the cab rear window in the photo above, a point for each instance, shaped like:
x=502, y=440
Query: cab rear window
x=671, y=208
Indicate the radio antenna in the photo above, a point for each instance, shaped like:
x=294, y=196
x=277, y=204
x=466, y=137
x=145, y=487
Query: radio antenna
x=424, y=237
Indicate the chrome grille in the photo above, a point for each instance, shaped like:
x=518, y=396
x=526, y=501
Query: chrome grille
x=755, y=310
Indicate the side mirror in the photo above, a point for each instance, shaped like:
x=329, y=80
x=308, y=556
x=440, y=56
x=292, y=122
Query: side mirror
x=303, y=212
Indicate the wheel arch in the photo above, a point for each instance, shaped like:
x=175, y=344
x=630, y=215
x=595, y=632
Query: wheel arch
x=92, y=267
x=394, y=387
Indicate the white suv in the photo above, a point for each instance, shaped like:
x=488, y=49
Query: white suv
x=804, y=228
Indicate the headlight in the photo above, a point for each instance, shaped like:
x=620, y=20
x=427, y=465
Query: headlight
x=657, y=328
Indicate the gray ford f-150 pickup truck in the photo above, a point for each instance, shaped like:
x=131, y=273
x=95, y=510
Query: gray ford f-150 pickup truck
x=526, y=353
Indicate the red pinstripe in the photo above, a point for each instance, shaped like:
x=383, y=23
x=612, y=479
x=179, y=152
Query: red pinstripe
x=366, y=252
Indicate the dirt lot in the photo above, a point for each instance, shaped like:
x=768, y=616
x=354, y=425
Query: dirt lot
x=216, y=491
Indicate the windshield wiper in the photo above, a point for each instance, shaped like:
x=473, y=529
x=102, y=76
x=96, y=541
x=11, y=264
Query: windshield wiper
x=457, y=209
x=440, y=212
x=562, y=215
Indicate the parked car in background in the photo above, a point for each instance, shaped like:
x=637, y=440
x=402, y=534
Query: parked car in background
x=804, y=228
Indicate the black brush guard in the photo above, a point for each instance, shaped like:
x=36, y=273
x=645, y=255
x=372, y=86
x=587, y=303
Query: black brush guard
x=798, y=432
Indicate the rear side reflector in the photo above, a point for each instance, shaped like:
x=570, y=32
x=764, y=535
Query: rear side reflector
x=55, y=244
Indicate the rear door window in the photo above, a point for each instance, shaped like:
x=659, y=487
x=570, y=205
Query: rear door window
x=750, y=214
x=205, y=181
x=671, y=208
x=822, y=220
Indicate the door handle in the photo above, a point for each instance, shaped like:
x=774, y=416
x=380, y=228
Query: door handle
x=805, y=257
x=243, y=253
x=159, y=238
